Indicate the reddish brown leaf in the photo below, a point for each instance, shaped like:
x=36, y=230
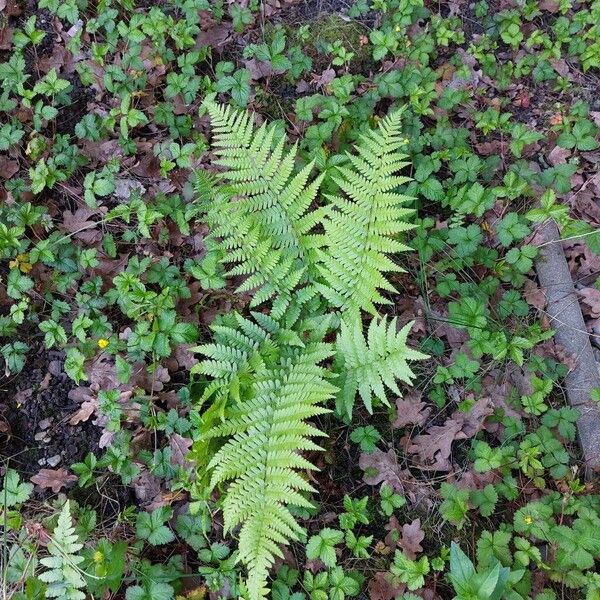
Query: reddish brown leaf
x=146, y=487
x=382, y=588
x=79, y=225
x=393, y=526
x=86, y=410
x=6, y=34
x=180, y=448
x=325, y=78
x=8, y=167
x=534, y=295
x=412, y=536
x=435, y=446
x=381, y=467
x=55, y=479
x=549, y=5
x=411, y=411
x=215, y=37
x=590, y=300
x=472, y=421
x=259, y=69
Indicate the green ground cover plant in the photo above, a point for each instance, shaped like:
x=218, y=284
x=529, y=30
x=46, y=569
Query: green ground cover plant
x=270, y=325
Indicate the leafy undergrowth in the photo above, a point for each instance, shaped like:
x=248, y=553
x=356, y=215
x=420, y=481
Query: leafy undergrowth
x=189, y=301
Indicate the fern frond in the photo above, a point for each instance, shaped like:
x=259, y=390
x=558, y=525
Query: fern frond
x=266, y=432
x=369, y=366
x=63, y=576
x=364, y=223
x=262, y=212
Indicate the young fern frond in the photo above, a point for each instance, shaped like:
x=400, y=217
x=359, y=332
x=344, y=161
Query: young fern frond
x=266, y=431
x=364, y=223
x=63, y=576
x=369, y=366
x=262, y=213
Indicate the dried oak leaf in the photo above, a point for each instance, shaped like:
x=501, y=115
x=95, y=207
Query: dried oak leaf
x=472, y=421
x=434, y=447
x=55, y=479
x=590, y=300
x=382, y=467
x=412, y=536
x=180, y=448
x=534, y=295
x=79, y=225
x=411, y=411
x=382, y=588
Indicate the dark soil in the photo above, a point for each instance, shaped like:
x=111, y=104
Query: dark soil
x=36, y=406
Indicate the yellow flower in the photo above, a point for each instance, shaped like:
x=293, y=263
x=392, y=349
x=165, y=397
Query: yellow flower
x=102, y=343
x=98, y=556
x=397, y=27
x=528, y=520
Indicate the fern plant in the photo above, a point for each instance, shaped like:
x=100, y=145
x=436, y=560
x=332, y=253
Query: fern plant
x=369, y=366
x=363, y=226
x=64, y=578
x=320, y=268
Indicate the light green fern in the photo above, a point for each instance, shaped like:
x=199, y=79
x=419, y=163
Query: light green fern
x=363, y=226
x=262, y=213
x=64, y=578
x=265, y=377
x=369, y=366
x=266, y=432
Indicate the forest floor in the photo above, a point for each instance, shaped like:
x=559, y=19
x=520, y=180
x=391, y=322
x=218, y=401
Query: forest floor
x=109, y=280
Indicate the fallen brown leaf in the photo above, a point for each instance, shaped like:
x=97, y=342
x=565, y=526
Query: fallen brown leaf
x=381, y=467
x=180, y=448
x=382, y=588
x=412, y=536
x=55, y=479
x=411, y=410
